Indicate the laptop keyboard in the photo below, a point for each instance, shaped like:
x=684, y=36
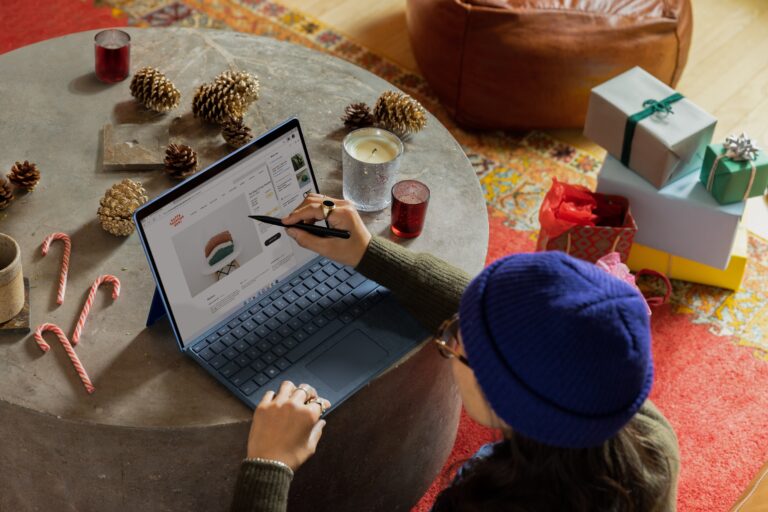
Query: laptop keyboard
x=268, y=338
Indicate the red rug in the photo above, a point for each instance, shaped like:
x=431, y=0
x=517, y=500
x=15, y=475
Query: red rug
x=710, y=345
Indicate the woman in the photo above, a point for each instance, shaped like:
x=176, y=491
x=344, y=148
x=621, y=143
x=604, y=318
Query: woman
x=550, y=350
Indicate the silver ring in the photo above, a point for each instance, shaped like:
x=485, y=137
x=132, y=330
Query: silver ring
x=328, y=207
x=305, y=390
x=319, y=402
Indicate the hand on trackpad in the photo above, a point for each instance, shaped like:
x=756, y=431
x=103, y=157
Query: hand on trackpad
x=356, y=354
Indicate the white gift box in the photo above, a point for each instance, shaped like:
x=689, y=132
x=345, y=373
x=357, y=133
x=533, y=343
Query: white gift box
x=682, y=218
x=664, y=146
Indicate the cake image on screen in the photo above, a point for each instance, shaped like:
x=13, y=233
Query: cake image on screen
x=220, y=254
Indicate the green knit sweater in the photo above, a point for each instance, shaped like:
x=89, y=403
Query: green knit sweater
x=431, y=292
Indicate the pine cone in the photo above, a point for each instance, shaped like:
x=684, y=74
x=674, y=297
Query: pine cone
x=180, y=161
x=226, y=99
x=399, y=113
x=357, y=115
x=152, y=89
x=6, y=193
x=24, y=175
x=118, y=205
x=236, y=134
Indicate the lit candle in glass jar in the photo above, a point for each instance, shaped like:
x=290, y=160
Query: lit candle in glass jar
x=370, y=160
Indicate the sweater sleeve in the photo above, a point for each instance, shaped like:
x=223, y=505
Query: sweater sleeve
x=428, y=287
x=261, y=487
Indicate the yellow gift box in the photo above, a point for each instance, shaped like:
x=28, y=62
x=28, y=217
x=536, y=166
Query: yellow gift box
x=675, y=267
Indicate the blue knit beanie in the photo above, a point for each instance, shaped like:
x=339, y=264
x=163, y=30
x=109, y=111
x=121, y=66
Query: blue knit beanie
x=561, y=349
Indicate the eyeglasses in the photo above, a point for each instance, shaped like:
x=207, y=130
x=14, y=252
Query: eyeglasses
x=446, y=339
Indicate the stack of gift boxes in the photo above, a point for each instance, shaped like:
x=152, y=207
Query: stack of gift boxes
x=686, y=194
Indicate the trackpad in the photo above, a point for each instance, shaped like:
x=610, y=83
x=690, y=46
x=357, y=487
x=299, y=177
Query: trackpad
x=356, y=354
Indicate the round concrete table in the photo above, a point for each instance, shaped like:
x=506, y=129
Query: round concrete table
x=159, y=433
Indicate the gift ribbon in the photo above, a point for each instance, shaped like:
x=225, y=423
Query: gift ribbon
x=711, y=179
x=650, y=107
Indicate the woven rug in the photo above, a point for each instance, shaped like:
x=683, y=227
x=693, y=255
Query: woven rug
x=710, y=345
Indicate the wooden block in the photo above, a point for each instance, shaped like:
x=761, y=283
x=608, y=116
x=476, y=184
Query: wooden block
x=20, y=323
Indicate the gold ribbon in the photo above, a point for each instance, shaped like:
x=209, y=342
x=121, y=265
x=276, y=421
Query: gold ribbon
x=726, y=154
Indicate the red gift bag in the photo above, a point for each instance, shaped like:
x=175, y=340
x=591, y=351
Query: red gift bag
x=585, y=224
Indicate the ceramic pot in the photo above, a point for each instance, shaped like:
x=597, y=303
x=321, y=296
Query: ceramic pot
x=11, y=279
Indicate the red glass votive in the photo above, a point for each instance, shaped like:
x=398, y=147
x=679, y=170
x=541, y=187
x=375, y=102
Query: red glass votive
x=409, y=208
x=113, y=55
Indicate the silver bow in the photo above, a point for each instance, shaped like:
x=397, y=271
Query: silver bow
x=740, y=148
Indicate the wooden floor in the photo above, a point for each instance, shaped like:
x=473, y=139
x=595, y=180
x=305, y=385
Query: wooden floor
x=726, y=74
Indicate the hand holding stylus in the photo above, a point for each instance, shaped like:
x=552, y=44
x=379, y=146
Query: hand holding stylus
x=344, y=216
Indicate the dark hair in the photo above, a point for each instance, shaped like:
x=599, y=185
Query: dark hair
x=630, y=472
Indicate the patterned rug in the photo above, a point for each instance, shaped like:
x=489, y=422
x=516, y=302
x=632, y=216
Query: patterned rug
x=710, y=345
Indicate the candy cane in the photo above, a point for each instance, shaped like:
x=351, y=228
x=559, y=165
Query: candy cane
x=64, y=261
x=67, y=348
x=89, y=301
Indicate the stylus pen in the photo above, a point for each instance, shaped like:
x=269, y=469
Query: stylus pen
x=315, y=230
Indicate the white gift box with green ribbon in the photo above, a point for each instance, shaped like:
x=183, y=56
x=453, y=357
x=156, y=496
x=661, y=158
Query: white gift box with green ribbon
x=649, y=127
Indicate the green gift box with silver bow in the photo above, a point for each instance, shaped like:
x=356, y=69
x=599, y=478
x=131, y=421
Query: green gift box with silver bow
x=735, y=171
x=652, y=129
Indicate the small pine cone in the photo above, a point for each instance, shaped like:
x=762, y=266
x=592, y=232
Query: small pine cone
x=227, y=98
x=236, y=134
x=118, y=204
x=357, y=115
x=24, y=175
x=399, y=113
x=6, y=193
x=152, y=89
x=180, y=161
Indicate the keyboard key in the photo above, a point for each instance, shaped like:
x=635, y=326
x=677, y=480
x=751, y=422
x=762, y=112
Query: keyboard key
x=275, y=337
x=279, y=350
x=263, y=345
x=310, y=329
x=366, y=303
x=229, y=369
x=251, y=338
x=261, y=379
x=315, y=309
x=320, y=321
x=325, y=302
x=258, y=365
x=275, y=295
x=313, y=296
x=295, y=323
x=254, y=309
x=200, y=346
x=336, y=265
x=307, y=345
x=222, y=331
x=243, y=360
x=249, y=388
x=335, y=296
x=311, y=282
x=300, y=336
x=293, y=310
x=339, y=307
x=207, y=354
x=344, y=288
x=242, y=376
x=349, y=300
x=333, y=282
x=283, y=317
x=238, y=332
x=272, y=372
x=300, y=290
x=322, y=275
x=262, y=331
x=323, y=289
x=249, y=325
x=356, y=280
x=295, y=281
x=346, y=318
x=364, y=289
x=303, y=303
x=285, y=331
x=259, y=318
x=265, y=302
x=285, y=288
x=280, y=304
x=330, y=314
x=218, y=361
x=290, y=342
x=252, y=353
x=273, y=324
x=228, y=339
x=325, y=261
x=233, y=323
x=217, y=347
x=343, y=274
x=243, y=317
x=290, y=297
x=356, y=311
x=315, y=267
x=305, y=274
x=283, y=364
x=212, y=338
x=270, y=310
x=241, y=346
x=306, y=316
x=231, y=353
x=268, y=358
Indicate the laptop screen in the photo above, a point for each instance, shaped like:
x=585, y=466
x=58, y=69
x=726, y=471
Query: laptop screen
x=208, y=255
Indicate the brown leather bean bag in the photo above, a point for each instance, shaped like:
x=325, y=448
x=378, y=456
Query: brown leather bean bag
x=531, y=63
